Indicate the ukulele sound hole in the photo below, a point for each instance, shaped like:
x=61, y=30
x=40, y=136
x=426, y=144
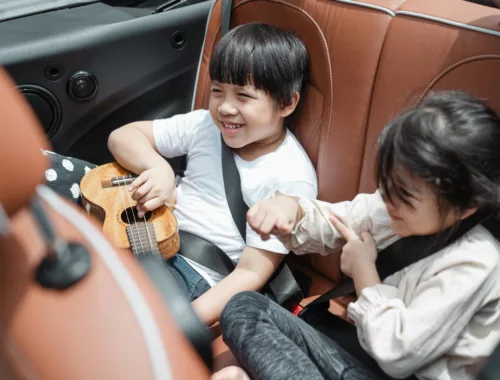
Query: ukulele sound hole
x=129, y=216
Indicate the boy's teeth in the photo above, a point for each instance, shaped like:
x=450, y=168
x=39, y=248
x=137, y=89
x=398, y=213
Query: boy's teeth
x=233, y=126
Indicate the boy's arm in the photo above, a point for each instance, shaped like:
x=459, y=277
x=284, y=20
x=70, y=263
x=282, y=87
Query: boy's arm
x=134, y=148
x=254, y=269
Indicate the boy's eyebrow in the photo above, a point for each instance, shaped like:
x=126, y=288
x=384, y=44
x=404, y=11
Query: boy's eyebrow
x=410, y=188
x=248, y=87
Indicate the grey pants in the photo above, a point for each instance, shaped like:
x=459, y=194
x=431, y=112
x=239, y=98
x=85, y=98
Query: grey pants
x=271, y=343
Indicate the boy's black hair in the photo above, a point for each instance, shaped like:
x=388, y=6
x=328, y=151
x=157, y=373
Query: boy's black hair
x=269, y=58
x=452, y=142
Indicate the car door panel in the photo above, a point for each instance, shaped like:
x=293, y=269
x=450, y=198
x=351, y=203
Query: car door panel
x=143, y=66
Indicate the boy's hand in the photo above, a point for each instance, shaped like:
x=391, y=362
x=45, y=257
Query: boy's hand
x=356, y=254
x=276, y=216
x=151, y=189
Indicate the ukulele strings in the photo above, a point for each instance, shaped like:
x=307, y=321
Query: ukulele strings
x=150, y=239
x=123, y=193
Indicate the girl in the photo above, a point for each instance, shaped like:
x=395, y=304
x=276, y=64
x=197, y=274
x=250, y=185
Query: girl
x=437, y=164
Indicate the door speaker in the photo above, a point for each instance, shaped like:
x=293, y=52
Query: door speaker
x=45, y=106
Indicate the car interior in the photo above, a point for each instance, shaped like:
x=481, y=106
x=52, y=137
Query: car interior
x=72, y=74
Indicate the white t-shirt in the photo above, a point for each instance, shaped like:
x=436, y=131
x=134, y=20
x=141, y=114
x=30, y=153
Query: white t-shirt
x=202, y=207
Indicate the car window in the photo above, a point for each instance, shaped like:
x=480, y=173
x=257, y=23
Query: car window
x=10, y=9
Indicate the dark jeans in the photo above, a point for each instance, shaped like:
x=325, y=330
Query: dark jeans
x=188, y=278
x=273, y=344
x=64, y=178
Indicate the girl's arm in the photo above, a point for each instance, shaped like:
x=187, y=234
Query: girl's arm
x=314, y=233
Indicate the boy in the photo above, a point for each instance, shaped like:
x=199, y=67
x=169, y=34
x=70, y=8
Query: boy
x=257, y=72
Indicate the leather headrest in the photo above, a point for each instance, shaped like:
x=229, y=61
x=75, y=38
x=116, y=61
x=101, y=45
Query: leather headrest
x=311, y=121
x=22, y=165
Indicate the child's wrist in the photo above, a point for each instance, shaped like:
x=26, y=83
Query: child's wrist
x=300, y=211
x=365, y=275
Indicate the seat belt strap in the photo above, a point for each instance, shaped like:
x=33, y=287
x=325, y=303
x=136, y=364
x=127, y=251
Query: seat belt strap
x=397, y=256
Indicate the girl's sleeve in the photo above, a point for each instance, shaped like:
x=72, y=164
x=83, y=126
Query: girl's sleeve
x=315, y=234
x=403, y=336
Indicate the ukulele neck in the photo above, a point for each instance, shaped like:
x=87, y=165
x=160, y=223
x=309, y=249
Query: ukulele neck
x=142, y=238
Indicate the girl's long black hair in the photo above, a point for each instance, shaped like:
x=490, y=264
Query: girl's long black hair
x=452, y=142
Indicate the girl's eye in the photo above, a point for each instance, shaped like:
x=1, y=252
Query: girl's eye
x=242, y=94
x=216, y=91
x=407, y=194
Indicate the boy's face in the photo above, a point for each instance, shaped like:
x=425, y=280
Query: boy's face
x=248, y=118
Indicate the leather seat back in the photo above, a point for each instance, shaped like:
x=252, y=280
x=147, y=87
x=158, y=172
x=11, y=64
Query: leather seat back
x=22, y=164
x=344, y=40
x=429, y=46
x=383, y=55
x=312, y=121
x=112, y=324
x=433, y=46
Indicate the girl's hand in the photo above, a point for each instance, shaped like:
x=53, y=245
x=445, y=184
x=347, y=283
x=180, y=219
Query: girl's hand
x=276, y=216
x=357, y=253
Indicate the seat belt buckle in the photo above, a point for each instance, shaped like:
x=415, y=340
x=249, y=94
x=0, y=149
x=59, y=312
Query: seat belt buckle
x=313, y=308
x=297, y=310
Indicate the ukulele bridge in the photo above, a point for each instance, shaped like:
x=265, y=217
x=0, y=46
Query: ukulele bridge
x=123, y=180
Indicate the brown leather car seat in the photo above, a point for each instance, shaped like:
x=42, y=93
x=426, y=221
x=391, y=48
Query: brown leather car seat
x=113, y=323
x=344, y=41
x=429, y=46
x=433, y=46
x=383, y=55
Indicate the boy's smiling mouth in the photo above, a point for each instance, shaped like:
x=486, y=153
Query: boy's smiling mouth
x=231, y=128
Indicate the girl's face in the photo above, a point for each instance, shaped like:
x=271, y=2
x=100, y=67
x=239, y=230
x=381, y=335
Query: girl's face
x=421, y=216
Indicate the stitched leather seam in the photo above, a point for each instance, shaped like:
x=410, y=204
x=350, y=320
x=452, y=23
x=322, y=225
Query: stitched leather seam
x=370, y=6
x=453, y=67
x=449, y=22
x=321, y=160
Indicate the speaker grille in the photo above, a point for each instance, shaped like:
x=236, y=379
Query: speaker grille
x=45, y=106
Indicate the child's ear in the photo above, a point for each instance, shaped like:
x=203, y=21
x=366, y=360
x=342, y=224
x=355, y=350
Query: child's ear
x=287, y=110
x=468, y=213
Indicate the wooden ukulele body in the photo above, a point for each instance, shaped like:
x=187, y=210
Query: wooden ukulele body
x=114, y=207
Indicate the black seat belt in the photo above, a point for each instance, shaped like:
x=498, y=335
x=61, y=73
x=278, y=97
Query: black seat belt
x=397, y=256
x=232, y=187
x=227, y=5
x=491, y=370
x=282, y=287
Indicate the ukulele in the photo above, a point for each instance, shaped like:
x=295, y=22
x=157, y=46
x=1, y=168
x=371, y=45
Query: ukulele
x=105, y=196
